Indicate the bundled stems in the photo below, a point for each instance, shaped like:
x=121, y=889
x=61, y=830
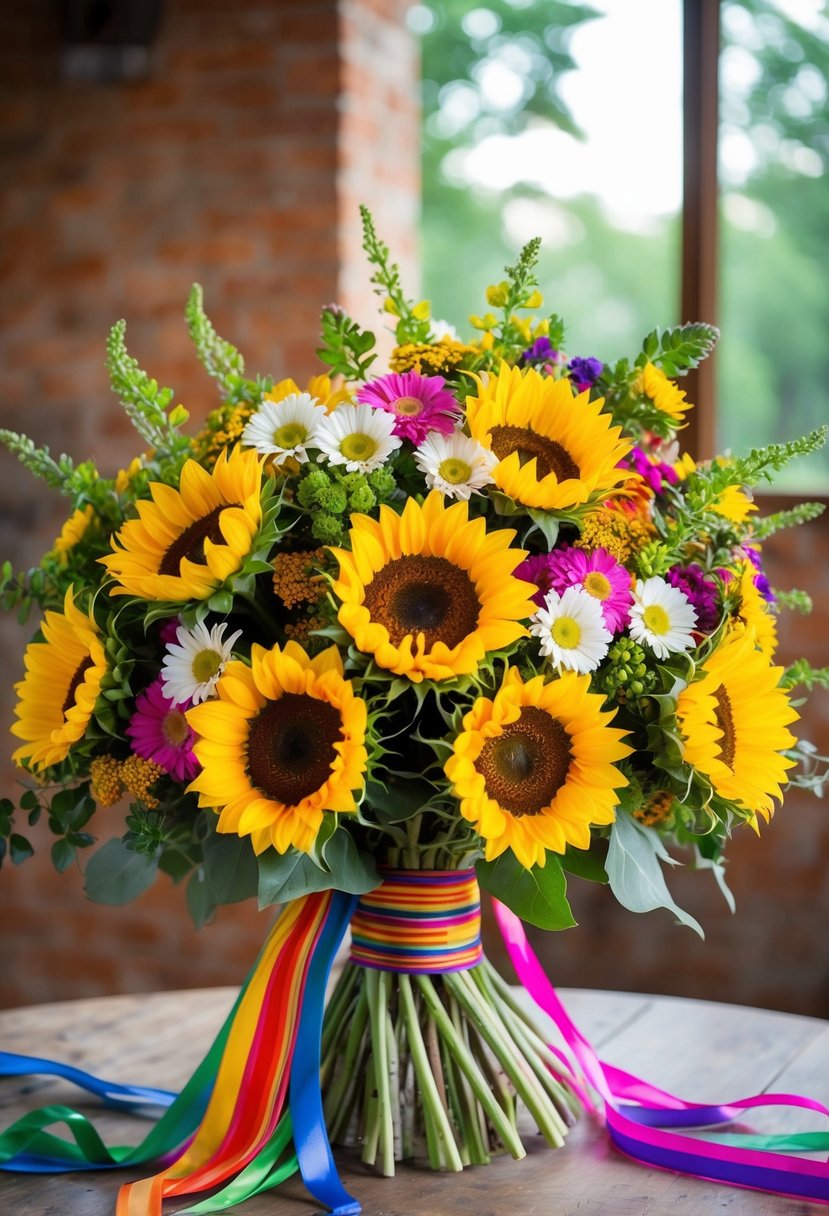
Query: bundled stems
x=441, y=1066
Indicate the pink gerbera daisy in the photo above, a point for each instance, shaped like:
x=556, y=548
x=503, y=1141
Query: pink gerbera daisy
x=536, y=569
x=600, y=575
x=159, y=731
x=420, y=404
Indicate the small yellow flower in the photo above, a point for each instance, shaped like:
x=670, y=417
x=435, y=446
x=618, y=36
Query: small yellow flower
x=73, y=532
x=664, y=393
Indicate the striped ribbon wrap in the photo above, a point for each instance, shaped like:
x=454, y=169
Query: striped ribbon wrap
x=426, y=921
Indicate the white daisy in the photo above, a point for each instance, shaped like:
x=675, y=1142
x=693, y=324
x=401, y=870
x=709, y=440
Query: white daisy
x=286, y=427
x=357, y=436
x=192, y=668
x=662, y=617
x=438, y=330
x=571, y=629
x=455, y=464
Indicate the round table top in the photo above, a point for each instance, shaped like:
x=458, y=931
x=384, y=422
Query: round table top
x=703, y=1051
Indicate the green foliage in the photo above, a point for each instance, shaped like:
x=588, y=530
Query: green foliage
x=347, y=349
x=37, y=460
x=412, y=323
x=286, y=876
x=144, y=402
x=538, y=896
x=679, y=349
x=634, y=872
x=220, y=358
x=116, y=874
x=801, y=673
x=790, y=518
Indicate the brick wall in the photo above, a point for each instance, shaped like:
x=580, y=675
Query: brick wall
x=238, y=163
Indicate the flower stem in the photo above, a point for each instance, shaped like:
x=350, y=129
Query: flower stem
x=433, y=1109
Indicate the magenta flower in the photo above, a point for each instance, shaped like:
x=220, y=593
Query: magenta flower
x=159, y=731
x=701, y=592
x=420, y=404
x=536, y=569
x=600, y=575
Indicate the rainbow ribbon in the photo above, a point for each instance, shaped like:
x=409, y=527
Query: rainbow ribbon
x=644, y=1121
x=419, y=921
x=228, y=1128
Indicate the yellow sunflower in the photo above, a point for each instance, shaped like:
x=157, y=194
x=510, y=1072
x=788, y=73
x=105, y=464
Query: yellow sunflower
x=664, y=393
x=534, y=767
x=284, y=742
x=733, y=722
x=734, y=504
x=755, y=614
x=429, y=592
x=329, y=391
x=72, y=532
x=186, y=542
x=556, y=449
x=58, y=692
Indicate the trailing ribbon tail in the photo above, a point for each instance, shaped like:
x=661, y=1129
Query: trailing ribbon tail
x=644, y=1121
x=252, y=1083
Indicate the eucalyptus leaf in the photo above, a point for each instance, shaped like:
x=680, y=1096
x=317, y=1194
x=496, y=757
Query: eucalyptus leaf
x=287, y=876
x=63, y=854
x=200, y=903
x=634, y=872
x=538, y=896
x=230, y=870
x=115, y=874
x=351, y=870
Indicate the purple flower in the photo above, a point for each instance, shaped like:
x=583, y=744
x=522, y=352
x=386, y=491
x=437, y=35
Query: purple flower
x=760, y=581
x=541, y=351
x=702, y=592
x=584, y=372
x=536, y=569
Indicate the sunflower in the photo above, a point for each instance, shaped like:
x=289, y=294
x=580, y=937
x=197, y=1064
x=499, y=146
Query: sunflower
x=663, y=393
x=534, y=767
x=754, y=612
x=556, y=450
x=72, y=533
x=283, y=743
x=733, y=722
x=58, y=692
x=186, y=542
x=430, y=591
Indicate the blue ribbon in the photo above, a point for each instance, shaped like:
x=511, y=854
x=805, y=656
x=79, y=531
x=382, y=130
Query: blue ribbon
x=313, y=1150
x=131, y=1098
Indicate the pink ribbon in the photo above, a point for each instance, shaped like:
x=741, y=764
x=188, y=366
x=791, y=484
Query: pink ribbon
x=637, y=1113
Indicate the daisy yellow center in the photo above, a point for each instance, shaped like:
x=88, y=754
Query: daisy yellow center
x=725, y=721
x=454, y=471
x=190, y=544
x=358, y=446
x=550, y=457
x=597, y=585
x=290, y=435
x=407, y=407
x=656, y=619
x=566, y=632
x=175, y=728
x=291, y=747
x=77, y=679
x=527, y=764
x=430, y=595
x=206, y=665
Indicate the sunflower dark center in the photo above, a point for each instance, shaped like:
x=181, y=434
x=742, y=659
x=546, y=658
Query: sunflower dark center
x=725, y=721
x=550, y=457
x=527, y=764
x=82, y=669
x=291, y=747
x=428, y=595
x=190, y=544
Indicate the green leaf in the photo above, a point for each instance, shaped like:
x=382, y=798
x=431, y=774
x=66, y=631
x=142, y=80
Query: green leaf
x=351, y=870
x=287, y=876
x=200, y=903
x=398, y=800
x=538, y=896
x=63, y=854
x=547, y=524
x=115, y=874
x=634, y=872
x=19, y=849
x=585, y=863
x=230, y=870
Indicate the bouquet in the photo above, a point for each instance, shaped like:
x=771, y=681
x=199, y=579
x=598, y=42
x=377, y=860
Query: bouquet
x=359, y=646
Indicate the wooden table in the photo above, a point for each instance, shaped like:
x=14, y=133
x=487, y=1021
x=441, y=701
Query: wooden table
x=705, y=1052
